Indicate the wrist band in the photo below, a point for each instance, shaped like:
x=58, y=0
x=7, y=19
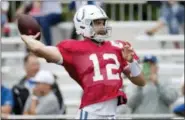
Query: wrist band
x=134, y=69
x=34, y=97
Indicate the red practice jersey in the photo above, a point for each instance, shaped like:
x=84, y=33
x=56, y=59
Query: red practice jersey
x=98, y=69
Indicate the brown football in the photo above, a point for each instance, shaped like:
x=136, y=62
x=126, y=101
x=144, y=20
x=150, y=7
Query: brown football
x=28, y=25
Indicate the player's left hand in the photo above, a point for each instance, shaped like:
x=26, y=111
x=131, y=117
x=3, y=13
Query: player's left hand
x=127, y=53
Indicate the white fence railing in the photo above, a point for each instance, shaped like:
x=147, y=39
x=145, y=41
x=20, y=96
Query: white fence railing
x=11, y=40
x=72, y=116
x=159, y=38
x=111, y=1
x=121, y=4
x=157, y=52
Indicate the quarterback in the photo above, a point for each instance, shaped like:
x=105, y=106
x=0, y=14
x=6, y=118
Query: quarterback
x=95, y=63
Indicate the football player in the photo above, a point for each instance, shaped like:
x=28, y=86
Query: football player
x=95, y=64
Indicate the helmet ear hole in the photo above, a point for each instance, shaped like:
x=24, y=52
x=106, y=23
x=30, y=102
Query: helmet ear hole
x=82, y=27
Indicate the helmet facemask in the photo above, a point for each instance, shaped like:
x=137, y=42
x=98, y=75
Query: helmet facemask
x=99, y=34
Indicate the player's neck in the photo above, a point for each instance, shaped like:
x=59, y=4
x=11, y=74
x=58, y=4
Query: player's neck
x=96, y=42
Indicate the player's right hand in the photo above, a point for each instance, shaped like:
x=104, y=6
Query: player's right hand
x=27, y=37
x=30, y=41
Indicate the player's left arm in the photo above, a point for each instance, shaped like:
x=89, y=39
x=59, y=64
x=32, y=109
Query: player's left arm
x=139, y=78
x=133, y=70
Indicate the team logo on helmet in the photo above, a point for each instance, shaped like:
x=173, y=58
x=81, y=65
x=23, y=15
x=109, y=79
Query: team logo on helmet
x=83, y=15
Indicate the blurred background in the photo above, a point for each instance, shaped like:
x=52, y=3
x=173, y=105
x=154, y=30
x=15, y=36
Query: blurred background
x=154, y=28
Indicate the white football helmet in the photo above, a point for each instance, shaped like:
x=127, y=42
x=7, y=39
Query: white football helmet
x=83, y=19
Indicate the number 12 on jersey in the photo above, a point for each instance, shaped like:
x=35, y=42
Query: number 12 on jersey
x=109, y=67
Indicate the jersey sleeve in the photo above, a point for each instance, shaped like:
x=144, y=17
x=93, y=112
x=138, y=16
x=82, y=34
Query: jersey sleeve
x=65, y=50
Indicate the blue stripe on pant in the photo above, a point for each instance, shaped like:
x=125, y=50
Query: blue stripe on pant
x=83, y=115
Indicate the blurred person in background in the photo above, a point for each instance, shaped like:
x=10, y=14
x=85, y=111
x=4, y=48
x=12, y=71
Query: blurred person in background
x=75, y=5
x=24, y=88
x=172, y=15
x=7, y=101
x=26, y=85
x=4, y=19
x=154, y=98
x=42, y=100
x=31, y=66
x=58, y=93
x=47, y=14
x=180, y=110
x=178, y=106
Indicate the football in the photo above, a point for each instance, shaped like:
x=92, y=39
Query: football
x=28, y=25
